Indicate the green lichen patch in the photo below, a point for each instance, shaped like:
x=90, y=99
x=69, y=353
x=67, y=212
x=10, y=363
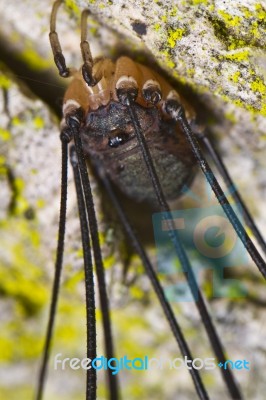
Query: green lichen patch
x=236, y=55
x=174, y=35
x=33, y=58
x=71, y=4
x=235, y=77
x=258, y=85
x=229, y=20
x=38, y=122
x=240, y=26
x=199, y=2
x=5, y=82
x=4, y=135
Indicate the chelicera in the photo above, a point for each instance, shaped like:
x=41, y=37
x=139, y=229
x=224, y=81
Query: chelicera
x=137, y=131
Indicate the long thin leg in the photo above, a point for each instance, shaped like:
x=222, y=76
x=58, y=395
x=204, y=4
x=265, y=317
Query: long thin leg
x=86, y=53
x=89, y=279
x=187, y=269
x=58, y=269
x=59, y=59
x=233, y=190
x=176, y=111
x=200, y=389
x=74, y=122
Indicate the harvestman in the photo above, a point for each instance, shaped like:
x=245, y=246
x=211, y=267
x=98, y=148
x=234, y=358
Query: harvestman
x=125, y=117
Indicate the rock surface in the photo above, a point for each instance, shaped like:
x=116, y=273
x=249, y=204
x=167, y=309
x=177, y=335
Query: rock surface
x=215, y=52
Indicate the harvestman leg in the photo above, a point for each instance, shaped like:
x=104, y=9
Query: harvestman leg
x=123, y=97
x=75, y=118
x=176, y=111
x=127, y=93
x=88, y=78
x=155, y=283
x=203, y=138
x=89, y=277
x=186, y=266
x=58, y=269
x=59, y=59
x=72, y=122
x=214, y=339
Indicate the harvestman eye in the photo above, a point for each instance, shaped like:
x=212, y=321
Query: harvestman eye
x=164, y=154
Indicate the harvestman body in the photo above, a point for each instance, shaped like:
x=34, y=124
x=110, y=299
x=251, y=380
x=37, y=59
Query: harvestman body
x=108, y=134
x=136, y=129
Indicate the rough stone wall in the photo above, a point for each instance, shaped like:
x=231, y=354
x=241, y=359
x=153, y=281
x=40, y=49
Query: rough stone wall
x=217, y=50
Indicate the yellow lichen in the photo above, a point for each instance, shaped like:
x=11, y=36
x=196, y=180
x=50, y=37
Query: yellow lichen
x=190, y=72
x=72, y=5
x=136, y=292
x=263, y=109
x=4, y=135
x=235, y=76
x=247, y=13
x=157, y=26
x=254, y=30
x=238, y=55
x=4, y=82
x=260, y=12
x=109, y=261
x=196, y=2
x=231, y=117
x=173, y=12
x=242, y=104
x=174, y=35
x=170, y=64
x=38, y=122
x=230, y=20
x=32, y=58
x=20, y=185
x=16, y=121
x=22, y=204
x=21, y=280
x=40, y=203
x=93, y=31
x=72, y=282
x=258, y=86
